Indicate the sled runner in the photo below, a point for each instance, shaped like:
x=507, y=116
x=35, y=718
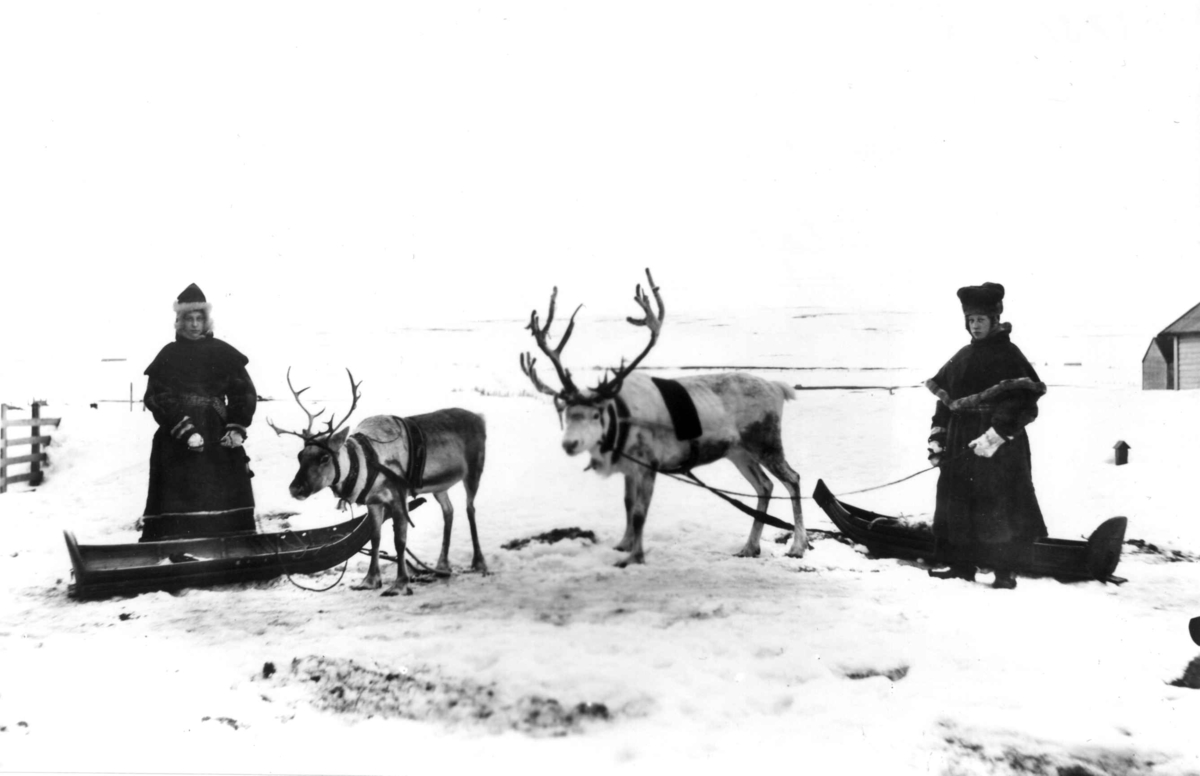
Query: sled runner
x=103, y=570
x=1065, y=559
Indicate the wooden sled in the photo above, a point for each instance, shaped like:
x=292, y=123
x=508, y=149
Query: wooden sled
x=104, y=570
x=1065, y=559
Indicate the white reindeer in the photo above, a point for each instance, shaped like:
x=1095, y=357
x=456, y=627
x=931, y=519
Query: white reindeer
x=624, y=425
x=386, y=460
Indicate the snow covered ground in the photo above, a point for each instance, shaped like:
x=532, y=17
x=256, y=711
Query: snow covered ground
x=836, y=663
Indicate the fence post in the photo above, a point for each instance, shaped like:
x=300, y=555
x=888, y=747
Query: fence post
x=35, y=466
x=3, y=447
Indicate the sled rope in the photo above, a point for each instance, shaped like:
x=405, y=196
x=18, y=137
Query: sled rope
x=288, y=574
x=691, y=479
x=414, y=558
x=337, y=582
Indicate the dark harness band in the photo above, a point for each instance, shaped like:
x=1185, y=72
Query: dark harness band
x=347, y=486
x=411, y=480
x=617, y=433
x=416, y=453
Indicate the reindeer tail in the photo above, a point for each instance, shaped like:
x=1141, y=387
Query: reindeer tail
x=789, y=393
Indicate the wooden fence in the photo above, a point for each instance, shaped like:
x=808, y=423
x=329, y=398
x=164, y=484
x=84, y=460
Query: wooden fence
x=35, y=441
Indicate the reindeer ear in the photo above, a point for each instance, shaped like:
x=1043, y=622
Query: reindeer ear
x=337, y=440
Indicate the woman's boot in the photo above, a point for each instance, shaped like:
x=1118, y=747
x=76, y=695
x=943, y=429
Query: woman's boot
x=1005, y=580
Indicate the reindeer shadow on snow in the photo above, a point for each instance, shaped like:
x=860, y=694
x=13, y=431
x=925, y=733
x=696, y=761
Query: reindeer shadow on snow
x=625, y=425
x=385, y=461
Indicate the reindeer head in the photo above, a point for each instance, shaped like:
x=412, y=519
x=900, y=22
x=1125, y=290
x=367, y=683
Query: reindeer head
x=583, y=413
x=319, y=466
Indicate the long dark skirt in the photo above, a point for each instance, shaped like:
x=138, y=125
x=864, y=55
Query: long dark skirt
x=986, y=507
x=197, y=494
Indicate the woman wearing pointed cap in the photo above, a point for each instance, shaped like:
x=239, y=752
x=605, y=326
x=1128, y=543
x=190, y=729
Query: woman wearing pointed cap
x=987, y=394
x=203, y=401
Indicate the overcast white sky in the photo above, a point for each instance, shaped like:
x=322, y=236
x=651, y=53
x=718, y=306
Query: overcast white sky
x=453, y=160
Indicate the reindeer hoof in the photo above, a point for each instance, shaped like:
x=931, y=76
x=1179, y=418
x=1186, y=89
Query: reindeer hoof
x=394, y=591
x=367, y=585
x=746, y=552
x=796, y=553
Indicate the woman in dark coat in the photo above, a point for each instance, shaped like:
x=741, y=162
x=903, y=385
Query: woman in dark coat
x=987, y=394
x=203, y=400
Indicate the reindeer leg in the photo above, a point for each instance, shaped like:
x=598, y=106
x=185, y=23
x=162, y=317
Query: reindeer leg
x=477, y=562
x=778, y=465
x=763, y=487
x=372, y=580
x=626, y=543
x=399, y=508
x=443, y=563
x=643, y=491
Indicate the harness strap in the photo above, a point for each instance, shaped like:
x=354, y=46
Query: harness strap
x=617, y=433
x=416, y=453
x=347, y=485
x=373, y=466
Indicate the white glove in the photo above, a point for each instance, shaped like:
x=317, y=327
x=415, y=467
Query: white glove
x=935, y=452
x=233, y=438
x=987, y=445
x=195, y=443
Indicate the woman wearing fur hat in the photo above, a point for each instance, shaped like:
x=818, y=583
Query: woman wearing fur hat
x=987, y=393
x=203, y=400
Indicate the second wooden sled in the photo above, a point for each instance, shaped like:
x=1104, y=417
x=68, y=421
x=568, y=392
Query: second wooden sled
x=1064, y=559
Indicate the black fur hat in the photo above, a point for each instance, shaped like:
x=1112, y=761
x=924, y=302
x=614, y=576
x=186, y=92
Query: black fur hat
x=987, y=299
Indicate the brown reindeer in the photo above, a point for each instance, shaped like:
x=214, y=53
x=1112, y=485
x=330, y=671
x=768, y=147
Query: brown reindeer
x=386, y=460
x=625, y=426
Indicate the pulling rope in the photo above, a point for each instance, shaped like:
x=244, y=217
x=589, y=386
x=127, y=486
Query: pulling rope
x=288, y=574
x=337, y=582
x=688, y=478
x=415, y=559
x=419, y=563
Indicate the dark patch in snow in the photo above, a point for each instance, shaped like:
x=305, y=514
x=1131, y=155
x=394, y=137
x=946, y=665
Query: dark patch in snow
x=550, y=537
x=123, y=616
x=893, y=674
x=1191, y=676
x=1142, y=547
x=230, y=721
x=268, y=669
x=1045, y=759
x=347, y=687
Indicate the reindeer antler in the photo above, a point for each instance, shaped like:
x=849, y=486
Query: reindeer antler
x=609, y=387
x=554, y=354
x=307, y=434
x=331, y=429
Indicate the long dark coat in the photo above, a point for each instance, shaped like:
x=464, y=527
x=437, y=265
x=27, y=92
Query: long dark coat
x=986, y=507
x=198, y=386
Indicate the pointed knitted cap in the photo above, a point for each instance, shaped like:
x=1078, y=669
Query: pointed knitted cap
x=191, y=299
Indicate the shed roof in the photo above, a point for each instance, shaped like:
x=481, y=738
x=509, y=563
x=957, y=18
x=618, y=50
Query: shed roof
x=1188, y=323
x=1161, y=347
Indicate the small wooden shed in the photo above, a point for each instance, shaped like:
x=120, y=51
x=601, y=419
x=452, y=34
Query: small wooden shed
x=1172, y=362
